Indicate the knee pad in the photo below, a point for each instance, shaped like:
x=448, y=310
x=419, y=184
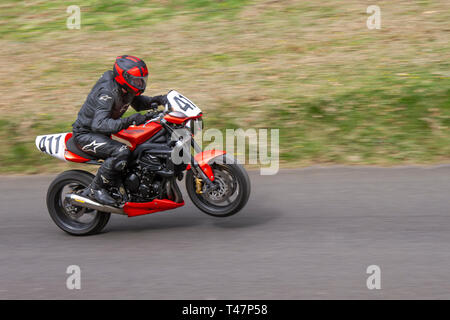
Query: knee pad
x=112, y=165
x=122, y=153
x=120, y=165
x=119, y=159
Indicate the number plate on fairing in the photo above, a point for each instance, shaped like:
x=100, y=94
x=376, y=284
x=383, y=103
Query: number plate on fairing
x=178, y=102
x=53, y=144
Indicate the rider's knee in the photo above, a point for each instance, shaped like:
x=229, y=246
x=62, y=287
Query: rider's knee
x=121, y=158
x=120, y=165
x=122, y=153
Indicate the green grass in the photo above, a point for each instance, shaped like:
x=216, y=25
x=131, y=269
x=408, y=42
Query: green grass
x=28, y=20
x=338, y=92
x=368, y=125
x=394, y=129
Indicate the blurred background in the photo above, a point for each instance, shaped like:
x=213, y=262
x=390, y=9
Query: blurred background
x=339, y=92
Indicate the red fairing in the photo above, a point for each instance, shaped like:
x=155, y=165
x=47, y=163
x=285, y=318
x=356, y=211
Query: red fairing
x=133, y=209
x=206, y=168
x=136, y=135
x=70, y=156
x=206, y=156
x=203, y=158
x=172, y=119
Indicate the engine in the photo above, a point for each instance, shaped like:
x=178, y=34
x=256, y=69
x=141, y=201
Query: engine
x=150, y=175
x=143, y=182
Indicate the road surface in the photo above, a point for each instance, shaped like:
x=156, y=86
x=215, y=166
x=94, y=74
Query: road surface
x=305, y=234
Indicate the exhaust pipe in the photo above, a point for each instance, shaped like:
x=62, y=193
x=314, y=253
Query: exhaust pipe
x=173, y=192
x=79, y=201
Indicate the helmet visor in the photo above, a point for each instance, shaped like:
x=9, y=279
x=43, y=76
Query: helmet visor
x=137, y=82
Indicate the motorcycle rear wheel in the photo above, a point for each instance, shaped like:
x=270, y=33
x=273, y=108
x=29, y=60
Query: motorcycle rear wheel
x=68, y=217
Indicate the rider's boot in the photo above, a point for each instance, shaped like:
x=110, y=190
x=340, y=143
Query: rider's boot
x=96, y=190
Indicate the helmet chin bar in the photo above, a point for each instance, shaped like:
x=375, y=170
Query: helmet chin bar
x=131, y=82
x=125, y=87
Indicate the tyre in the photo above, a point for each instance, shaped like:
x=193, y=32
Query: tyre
x=74, y=220
x=231, y=194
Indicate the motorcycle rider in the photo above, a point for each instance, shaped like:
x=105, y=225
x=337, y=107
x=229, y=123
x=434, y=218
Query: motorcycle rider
x=100, y=116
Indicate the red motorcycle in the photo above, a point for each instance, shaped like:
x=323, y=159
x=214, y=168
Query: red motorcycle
x=215, y=182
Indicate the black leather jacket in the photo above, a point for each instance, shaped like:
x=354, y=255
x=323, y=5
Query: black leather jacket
x=104, y=106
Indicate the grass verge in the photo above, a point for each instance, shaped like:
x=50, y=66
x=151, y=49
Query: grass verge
x=338, y=92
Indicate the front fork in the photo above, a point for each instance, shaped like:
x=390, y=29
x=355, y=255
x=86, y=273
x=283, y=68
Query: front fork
x=204, y=174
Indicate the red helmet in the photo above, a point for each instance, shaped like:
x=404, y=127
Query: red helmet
x=131, y=73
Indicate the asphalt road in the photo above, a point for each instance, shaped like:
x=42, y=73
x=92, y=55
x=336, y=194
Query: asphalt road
x=305, y=234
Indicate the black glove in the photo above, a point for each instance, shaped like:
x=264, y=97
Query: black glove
x=151, y=115
x=154, y=105
x=160, y=100
x=136, y=119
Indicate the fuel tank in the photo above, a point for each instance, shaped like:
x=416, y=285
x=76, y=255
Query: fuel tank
x=135, y=135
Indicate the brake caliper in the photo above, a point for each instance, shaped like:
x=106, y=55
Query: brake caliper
x=198, y=185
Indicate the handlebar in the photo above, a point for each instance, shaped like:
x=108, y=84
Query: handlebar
x=154, y=117
x=158, y=115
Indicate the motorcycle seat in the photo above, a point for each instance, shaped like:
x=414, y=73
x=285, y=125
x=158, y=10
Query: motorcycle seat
x=72, y=147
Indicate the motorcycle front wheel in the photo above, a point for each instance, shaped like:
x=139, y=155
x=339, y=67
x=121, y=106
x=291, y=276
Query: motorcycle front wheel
x=74, y=220
x=231, y=193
